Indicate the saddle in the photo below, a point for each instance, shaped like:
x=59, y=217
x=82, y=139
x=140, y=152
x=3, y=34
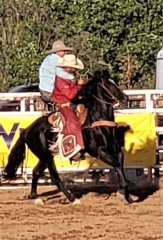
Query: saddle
x=81, y=113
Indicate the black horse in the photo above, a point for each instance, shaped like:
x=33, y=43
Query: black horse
x=103, y=138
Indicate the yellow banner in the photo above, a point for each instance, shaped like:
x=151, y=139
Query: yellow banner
x=139, y=147
x=10, y=128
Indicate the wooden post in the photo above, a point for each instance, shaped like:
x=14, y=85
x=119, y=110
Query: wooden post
x=149, y=176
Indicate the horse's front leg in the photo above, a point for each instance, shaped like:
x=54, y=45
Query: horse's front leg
x=55, y=178
x=122, y=179
x=37, y=172
x=117, y=164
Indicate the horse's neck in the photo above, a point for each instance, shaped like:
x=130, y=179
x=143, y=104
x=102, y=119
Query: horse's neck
x=110, y=113
x=101, y=113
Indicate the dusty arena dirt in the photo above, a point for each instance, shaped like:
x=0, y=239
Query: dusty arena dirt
x=99, y=216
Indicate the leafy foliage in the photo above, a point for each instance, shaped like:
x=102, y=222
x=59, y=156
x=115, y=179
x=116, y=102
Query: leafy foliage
x=121, y=36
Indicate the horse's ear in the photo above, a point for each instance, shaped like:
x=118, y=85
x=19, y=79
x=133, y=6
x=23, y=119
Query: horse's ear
x=106, y=74
x=102, y=74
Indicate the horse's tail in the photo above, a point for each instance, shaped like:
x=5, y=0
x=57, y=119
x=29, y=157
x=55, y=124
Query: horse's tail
x=15, y=158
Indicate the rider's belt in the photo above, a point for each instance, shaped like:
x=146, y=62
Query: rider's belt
x=61, y=105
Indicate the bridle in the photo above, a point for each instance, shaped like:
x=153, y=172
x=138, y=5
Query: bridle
x=113, y=98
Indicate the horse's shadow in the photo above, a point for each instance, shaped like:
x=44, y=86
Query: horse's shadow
x=140, y=193
x=146, y=190
x=79, y=190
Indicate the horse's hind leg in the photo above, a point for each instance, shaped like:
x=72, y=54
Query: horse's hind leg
x=37, y=172
x=55, y=178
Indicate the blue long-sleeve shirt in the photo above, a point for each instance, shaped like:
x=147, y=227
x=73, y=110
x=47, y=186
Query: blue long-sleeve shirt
x=48, y=72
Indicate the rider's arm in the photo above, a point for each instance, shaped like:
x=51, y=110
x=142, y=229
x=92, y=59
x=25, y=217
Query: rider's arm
x=65, y=88
x=60, y=72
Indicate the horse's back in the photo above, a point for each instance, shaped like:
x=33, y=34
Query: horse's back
x=39, y=123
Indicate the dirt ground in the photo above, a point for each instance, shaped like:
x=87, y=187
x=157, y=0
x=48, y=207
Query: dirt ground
x=99, y=216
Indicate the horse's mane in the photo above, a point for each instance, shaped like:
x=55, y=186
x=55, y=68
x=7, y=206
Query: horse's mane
x=85, y=94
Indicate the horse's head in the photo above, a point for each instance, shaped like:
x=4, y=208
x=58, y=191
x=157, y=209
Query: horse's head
x=100, y=88
x=117, y=94
x=110, y=89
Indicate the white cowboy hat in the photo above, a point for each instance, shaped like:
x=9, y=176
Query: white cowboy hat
x=59, y=46
x=70, y=60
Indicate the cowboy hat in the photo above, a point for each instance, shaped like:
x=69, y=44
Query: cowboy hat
x=59, y=46
x=70, y=60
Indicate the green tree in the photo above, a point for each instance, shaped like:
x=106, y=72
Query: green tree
x=122, y=36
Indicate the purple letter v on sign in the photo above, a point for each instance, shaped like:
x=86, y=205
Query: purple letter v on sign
x=8, y=138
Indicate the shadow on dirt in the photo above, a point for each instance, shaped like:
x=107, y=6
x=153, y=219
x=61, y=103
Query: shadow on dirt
x=141, y=192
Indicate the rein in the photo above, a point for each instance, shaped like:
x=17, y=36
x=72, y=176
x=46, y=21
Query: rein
x=112, y=96
x=100, y=100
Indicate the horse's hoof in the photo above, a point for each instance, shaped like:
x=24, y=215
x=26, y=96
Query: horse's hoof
x=76, y=201
x=122, y=196
x=32, y=196
x=132, y=199
x=4, y=180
